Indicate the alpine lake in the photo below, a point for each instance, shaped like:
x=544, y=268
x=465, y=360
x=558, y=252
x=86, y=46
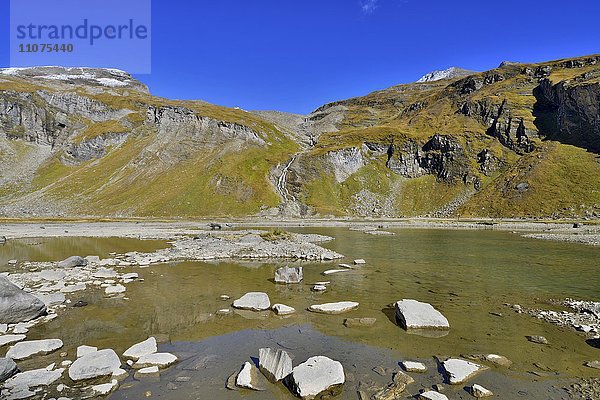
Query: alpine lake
x=470, y=276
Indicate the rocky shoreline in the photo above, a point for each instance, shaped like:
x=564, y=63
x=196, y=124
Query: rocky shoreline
x=582, y=316
x=587, y=232
x=36, y=292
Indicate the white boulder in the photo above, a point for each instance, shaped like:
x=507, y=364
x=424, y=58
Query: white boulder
x=282, y=309
x=413, y=314
x=334, y=271
x=161, y=360
x=274, y=364
x=105, y=388
x=248, y=377
x=432, y=395
x=9, y=339
x=148, y=372
x=115, y=289
x=93, y=365
x=255, y=301
x=413, y=366
x=479, y=391
x=460, y=371
x=23, y=350
x=317, y=377
x=334, y=308
x=138, y=350
x=33, y=378
x=289, y=275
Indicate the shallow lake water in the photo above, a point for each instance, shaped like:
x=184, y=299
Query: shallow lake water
x=467, y=275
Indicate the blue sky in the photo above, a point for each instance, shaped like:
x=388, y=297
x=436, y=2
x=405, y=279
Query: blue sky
x=297, y=55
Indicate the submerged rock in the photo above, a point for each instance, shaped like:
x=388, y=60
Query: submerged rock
x=72, y=262
x=138, y=350
x=24, y=350
x=94, y=365
x=317, y=377
x=459, y=371
x=351, y=322
x=148, y=372
x=289, y=275
x=8, y=368
x=161, y=360
x=413, y=314
x=115, y=289
x=255, y=301
x=248, y=377
x=390, y=392
x=334, y=308
x=17, y=305
x=537, y=339
x=592, y=364
x=275, y=365
x=479, y=391
x=400, y=376
x=495, y=359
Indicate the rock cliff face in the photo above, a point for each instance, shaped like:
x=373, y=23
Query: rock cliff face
x=441, y=156
x=570, y=112
x=509, y=132
x=22, y=118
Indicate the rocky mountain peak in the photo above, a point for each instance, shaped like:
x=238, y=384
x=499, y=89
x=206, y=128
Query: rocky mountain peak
x=97, y=77
x=452, y=72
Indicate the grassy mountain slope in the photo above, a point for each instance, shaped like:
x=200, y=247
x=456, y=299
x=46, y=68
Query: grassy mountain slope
x=521, y=140
x=202, y=160
x=558, y=179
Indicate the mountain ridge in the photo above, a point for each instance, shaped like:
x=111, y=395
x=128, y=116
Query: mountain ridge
x=448, y=73
x=520, y=140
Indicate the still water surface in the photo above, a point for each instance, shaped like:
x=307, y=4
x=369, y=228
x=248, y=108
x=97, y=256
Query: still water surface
x=465, y=274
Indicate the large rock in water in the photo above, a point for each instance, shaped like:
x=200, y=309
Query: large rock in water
x=255, y=301
x=23, y=350
x=141, y=349
x=334, y=308
x=413, y=314
x=32, y=379
x=460, y=371
x=316, y=377
x=289, y=275
x=7, y=368
x=275, y=365
x=95, y=365
x=72, y=262
x=16, y=305
x=248, y=377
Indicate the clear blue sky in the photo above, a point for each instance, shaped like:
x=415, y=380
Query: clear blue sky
x=297, y=55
